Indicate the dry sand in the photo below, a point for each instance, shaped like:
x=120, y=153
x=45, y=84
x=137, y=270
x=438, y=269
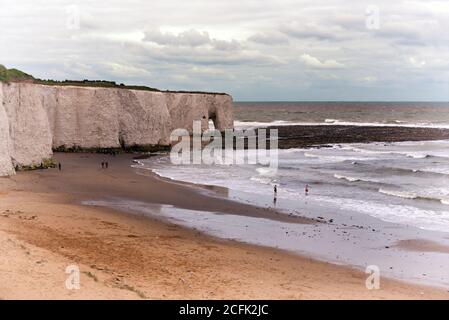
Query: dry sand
x=43, y=229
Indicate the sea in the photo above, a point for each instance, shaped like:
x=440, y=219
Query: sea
x=401, y=182
x=409, y=114
x=375, y=206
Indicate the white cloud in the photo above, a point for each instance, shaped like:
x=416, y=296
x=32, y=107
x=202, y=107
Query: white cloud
x=128, y=71
x=191, y=38
x=316, y=63
x=416, y=63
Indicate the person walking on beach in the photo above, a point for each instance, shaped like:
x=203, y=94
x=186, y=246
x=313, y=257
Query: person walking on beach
x=102, y=165
x=275, y=194
x=107, y=164
x=59, y=166
x=306, y=190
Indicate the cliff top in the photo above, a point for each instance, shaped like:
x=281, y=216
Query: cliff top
x=14, y=75
x=8, y=75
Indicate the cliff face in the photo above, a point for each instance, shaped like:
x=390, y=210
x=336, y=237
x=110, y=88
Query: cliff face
x=5, y=151
x=34, y=119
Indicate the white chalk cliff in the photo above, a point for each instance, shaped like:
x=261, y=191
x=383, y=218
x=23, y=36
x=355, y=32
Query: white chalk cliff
x=35, y=119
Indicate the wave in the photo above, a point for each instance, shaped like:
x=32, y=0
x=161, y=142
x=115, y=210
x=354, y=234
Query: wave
x=267, y=171
x=354, y=179
x=397, y=123
x=403, y=214
x=400, y=194
x=261, y=179
x=435, y=171
x=406, y=153
x=412, y=195
x=337, y=158
x=418, y=155
x=326, y=158
x=332, y=122
x=265, y=175
x=350, y=179
x=257, y=124
x=425, y=171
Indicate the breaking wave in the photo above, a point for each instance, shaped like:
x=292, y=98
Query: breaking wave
x=333, y=122
x=354, y=179
x=412, y=195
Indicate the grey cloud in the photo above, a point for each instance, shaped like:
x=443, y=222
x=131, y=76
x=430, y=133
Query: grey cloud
x=412, y=34
x=269, y=38
x=398, y=31
x=190, y=38
x=226, y=45
x=298, y=43
x=311, y=31
x=211, y=56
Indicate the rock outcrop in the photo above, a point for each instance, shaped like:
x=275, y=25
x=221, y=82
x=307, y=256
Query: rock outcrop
x=36, y=119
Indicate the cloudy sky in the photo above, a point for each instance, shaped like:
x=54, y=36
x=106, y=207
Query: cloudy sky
x=252, y=49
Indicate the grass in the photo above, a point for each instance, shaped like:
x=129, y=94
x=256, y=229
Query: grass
x=8, y=75
x=14, y=75
x=112, y=84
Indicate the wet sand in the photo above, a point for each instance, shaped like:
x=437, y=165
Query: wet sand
x=421, y=245
x=44, y=228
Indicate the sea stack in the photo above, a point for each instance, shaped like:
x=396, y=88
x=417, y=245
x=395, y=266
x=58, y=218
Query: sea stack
x=36, y=119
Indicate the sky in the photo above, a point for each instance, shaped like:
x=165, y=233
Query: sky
x=255, y=50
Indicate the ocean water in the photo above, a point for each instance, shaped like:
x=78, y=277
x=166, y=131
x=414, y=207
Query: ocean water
x=406, y=183
x=422, y=114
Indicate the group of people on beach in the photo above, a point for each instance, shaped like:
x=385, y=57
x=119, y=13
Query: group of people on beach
x=306, y=192
x=104, y=165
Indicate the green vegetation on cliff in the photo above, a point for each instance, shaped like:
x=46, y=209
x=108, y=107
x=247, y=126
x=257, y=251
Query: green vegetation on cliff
x=14, y=75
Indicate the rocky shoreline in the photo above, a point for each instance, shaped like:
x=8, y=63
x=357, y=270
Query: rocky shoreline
x=319, y=135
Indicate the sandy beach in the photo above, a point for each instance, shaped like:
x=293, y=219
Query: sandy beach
x=45, y=228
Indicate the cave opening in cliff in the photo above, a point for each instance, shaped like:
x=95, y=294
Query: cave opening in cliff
x=212, y=121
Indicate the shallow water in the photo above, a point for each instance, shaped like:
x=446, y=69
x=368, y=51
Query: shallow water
x=404, y=182
x=347, y=240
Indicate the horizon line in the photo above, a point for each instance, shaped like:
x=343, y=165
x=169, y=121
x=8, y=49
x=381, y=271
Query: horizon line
x=365, y=101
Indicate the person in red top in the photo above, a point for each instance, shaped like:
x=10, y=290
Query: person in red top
x=306, y=189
